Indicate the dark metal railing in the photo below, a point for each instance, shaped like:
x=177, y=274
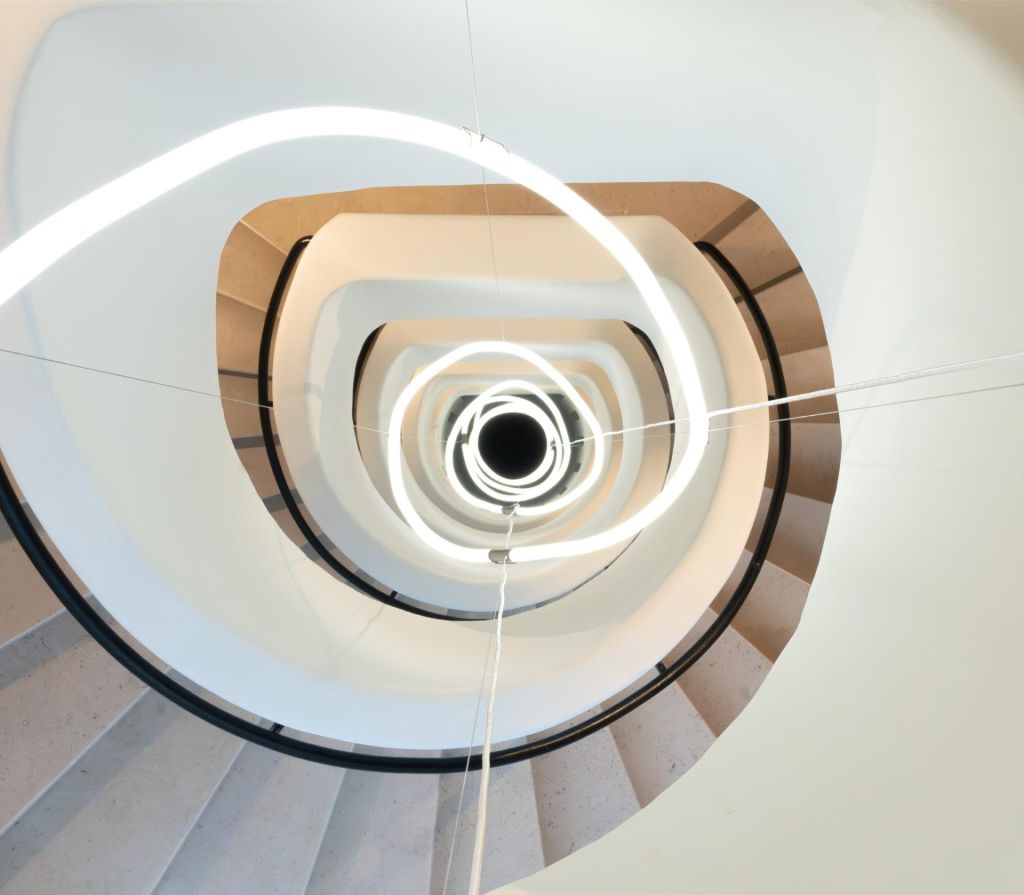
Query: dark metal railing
x=270, y=443
x=273, y=736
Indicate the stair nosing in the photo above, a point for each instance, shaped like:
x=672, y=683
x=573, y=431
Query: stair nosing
x=265, y=239
x=132, y=703
x=200, y=811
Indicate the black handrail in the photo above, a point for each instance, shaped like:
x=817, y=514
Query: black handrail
x=272, y=738
x=270, y=444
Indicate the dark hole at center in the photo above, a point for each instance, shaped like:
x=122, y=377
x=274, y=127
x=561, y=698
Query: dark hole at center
x=513, y=444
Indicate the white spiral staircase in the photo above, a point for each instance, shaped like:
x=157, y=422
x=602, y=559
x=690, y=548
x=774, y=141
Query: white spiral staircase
x=236, y=817
x=883, y=755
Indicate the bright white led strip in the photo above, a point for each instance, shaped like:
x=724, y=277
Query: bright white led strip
x=46, y=243
x=405, y=398
x=550, y=471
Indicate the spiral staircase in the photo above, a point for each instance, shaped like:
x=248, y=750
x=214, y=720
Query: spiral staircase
x=110, y=785
x=234, y=816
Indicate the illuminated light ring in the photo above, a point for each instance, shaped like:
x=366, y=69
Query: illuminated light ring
x=503, y=405
x=484, y=476
x=404, y=399
x=553, y=456
x=474, y=415
x=504, y=490
x=535, y=483
x=49, y=241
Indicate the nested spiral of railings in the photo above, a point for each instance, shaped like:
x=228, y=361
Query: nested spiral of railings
x=272, y=735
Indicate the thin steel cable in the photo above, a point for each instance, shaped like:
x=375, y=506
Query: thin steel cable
x=485, y=756
x=844, y=410
x=219, y=396
x=827, y=392
x=483, y=177
x=385, y=432
x=1004, y=358
x=837, y=412
x=927, y=372
x=794, y=398
x=130, y=378
x=465, y=770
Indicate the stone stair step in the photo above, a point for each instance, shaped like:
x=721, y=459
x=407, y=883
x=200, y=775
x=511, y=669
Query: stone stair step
x=249, y=267
x=380, y=837
x=59, y=692
x=512, y=848
x=771, y=611
x=725, y=678
x=261, y=831
x=583, y=791
x=660, y=740
x=114, y=820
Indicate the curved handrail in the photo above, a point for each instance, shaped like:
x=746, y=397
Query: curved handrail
x=272, y=738
x=274, y=459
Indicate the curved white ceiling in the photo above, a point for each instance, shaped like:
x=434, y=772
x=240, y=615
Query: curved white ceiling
x=883, y=752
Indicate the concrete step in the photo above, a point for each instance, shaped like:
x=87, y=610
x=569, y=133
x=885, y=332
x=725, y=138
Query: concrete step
x=112, y=823
x=725, y=679
x=757, y=250
x=814, y=459
x=25, y=600
x=380, y=837
x=249, y=267
x=772, y=610
x=583, y=791
x=239, y=327
x=286, y=522
x=513, y=846
x=696, y=209
x=808, y=371
x=261, y=831
x=241, y=415
x=254, y=461
x=799, y=535
x=59, y=692
x=660, y=741
x=793, y=316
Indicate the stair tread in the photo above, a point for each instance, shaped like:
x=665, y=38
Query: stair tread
x=793, y=316
x=583, y=791
x=799, y=535
x=25, y=599
x=660, y=740
x=112, y=822
x=513, y=846
x=241, y=414
x=249, y=267
x=239, y=329
x=757, y=250
x=260, y=831
x=53, y=681
x=257, y=466
x=772, y=610
x=808, y=371
x=381, y=828
x=725, y=678
x=694, y=208
x=814, y=459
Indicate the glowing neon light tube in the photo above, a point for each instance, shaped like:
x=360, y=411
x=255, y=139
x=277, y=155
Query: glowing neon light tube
x=46, y=243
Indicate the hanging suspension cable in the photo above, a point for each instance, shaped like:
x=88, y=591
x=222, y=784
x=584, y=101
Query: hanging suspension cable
x=465, y=770
x=483, y=177
x=835, y=390
x=485, y=757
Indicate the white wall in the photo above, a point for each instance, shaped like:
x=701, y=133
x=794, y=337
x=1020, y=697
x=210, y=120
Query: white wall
x=883, y=752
